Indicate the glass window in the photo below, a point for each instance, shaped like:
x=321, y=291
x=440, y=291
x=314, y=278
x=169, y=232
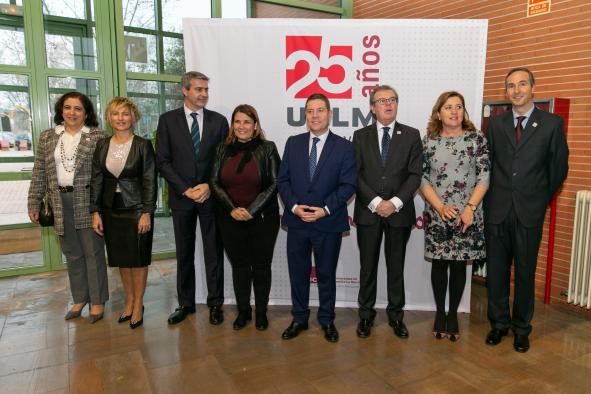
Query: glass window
x=19, y=247
x=173, y=12
x=139, y=13
x=174, y=56
x=58, y=86
x=70, y=37
x=140, y=53
x=12, y=34
x=153, y=98
x=269, y=10
x=77, y=9
x=15, y=114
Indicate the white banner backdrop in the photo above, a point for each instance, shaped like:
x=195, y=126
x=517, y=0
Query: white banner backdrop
x=274, y=64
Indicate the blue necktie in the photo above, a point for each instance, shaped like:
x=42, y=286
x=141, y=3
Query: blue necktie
x=313, y=157
x=385, y=145
x=195, y=133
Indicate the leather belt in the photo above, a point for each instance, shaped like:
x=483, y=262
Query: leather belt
x=65, y=189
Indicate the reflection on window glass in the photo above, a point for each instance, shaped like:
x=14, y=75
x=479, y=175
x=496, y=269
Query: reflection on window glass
x=70, y=43
x=15, y=115
x=173, y=12
x=71, y=52
x=140, y=53
x=12, y=36
x=12, y=46
x=153, y=98
x=21, y=247
x=174, y=56
x=139, y=13
x=58, y=86
x=68, y=8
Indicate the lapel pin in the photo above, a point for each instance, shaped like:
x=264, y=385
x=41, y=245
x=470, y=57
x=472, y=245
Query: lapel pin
x=534, y=124
x=398, y=132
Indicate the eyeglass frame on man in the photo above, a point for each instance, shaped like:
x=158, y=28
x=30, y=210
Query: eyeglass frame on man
x=384, y=101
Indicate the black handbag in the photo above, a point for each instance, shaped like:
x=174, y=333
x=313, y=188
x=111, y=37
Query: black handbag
x=45, y=212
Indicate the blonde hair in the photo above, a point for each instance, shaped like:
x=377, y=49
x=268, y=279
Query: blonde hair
x=119, y=102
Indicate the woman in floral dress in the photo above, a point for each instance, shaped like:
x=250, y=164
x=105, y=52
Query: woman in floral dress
x=455, y=179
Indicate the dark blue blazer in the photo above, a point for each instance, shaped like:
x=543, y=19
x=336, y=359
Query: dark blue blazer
x=334, y=182
x=175, y=156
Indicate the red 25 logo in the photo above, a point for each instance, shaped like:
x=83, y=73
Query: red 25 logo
x=316, y=68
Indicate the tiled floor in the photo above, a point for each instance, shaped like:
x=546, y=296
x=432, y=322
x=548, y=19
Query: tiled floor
x=40, y=352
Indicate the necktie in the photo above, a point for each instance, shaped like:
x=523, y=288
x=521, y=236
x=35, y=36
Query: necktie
x=385, y=145
x=519, y=129
x=195, y=133
x=313, y=157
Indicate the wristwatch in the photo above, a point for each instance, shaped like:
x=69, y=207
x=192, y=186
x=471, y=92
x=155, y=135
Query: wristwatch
x=472, y=206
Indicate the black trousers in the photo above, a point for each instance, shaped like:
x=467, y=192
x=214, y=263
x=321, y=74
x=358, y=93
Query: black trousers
x=185, y=226
x=506, y=242
x=369, y=240
x=250, y=247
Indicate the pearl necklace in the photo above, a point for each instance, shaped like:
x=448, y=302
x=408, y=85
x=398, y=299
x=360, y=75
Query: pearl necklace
x=68, y=162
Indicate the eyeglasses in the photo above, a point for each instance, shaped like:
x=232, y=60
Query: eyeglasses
x=384, y=101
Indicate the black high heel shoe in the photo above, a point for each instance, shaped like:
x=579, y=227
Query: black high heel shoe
x=439, y=325
x=123, y=318
x=453, y=328
x=133, y=324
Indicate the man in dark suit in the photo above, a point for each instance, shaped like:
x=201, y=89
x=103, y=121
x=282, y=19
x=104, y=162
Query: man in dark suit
x=185, y=146
x=529, y=161
x=316, y=179
x=389, y=159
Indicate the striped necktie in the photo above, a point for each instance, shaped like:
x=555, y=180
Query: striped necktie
x=195, y=136
x=313, y=157
x=385, y=145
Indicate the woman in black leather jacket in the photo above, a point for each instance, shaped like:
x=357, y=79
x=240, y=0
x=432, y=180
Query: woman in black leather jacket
x=123, y=200
x=244, y=181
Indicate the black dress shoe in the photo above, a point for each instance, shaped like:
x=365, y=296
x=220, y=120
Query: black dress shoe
x=521, y=343
x=364, y=328
x=495, y=335
x=294, y=330
x=216, y=315
x=241, y=320
x=180, y=314
x=261, y=321
x=399, y=327
x=330, y=333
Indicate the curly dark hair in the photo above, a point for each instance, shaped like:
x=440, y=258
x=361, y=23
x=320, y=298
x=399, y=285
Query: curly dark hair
x=90, y=119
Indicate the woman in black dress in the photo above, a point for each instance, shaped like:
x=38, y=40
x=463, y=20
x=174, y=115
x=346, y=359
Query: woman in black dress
x=244, y=181
x=123, y=200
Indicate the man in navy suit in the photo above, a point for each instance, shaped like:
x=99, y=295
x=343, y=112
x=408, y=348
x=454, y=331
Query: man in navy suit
x=186, y=139
x=316, y=178
x=529, y=160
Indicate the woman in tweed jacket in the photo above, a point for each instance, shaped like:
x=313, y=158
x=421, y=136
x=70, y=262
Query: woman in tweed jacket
x=63, y=165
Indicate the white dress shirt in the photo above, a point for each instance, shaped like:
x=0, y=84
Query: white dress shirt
x=189, y=118
x=373, y=204
x=70, y=142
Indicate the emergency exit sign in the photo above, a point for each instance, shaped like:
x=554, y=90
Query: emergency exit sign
x=538, y=7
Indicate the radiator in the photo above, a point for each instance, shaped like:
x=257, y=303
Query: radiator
x=579, y=280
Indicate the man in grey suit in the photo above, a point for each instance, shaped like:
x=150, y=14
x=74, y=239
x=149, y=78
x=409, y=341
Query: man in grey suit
x=389, y=163
x=529, y=161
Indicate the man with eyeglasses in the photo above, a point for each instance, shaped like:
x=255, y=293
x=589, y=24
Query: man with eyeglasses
x=389, y=163
x=315, y=194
